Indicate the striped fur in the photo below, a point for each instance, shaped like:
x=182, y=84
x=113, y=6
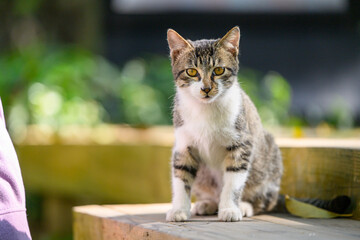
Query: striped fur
x=221, y=154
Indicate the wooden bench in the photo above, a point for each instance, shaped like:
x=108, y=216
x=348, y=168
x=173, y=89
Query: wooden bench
x=135, y=169
x=113, y=222
x=313, y=168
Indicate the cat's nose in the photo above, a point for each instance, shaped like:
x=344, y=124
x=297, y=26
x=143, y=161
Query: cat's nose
x=206, y=89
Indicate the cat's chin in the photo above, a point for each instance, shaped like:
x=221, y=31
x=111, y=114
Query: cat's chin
x=207, y=100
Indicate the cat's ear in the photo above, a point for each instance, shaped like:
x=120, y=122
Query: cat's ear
x=176, y=44
x=231, y=41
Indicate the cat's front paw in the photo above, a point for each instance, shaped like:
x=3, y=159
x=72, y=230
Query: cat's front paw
x=177, y=215
x=230, y=215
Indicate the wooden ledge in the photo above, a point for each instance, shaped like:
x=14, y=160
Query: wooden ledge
x=139, y=221
x=350, y=143
x=313, y=168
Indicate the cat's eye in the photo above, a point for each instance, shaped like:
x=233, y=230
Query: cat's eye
x=219, y=70
x=191, y=72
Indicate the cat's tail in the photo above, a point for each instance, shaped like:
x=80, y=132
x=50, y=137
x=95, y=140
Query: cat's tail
x=339, y=204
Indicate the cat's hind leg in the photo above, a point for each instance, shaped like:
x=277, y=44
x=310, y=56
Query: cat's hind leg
x=246, y=209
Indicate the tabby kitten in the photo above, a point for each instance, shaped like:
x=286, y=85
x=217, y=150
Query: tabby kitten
x=221, y=154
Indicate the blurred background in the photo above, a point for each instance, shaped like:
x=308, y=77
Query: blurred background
x=96, y=73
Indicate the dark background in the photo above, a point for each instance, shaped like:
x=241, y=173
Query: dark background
x=318, y=53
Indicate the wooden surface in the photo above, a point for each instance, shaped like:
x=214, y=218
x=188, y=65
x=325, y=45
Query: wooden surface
x=98, y=173
x=141, y=173
x=112, y=222
x=120, y=164
x=322, y=172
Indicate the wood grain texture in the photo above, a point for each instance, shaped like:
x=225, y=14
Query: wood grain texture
x=105, y=223
x=140, y=173
x=320, y=172
x=99, y=173
x=148, y=222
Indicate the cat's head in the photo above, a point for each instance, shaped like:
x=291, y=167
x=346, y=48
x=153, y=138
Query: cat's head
x=204, y=68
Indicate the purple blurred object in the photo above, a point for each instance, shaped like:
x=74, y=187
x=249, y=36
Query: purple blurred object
x=13, y=221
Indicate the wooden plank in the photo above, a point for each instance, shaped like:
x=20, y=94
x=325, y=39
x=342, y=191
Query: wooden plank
x=102, y=223
x=153, y=135
x=148, y=222
x=141, y=173
x=348, y=143
x=317, y=172
x=98, y=173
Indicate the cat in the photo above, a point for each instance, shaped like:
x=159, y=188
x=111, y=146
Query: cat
x=221, y=153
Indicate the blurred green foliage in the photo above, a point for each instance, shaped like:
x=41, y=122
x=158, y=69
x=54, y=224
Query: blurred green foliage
x=57, y=86
x=69, y=86
x=270, y=93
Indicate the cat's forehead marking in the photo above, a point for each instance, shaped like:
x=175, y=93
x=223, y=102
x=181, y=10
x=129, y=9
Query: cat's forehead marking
x=204, y=47
x=204, y=51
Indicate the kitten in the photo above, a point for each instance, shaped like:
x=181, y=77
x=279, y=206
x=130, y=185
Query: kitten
x=221, y=154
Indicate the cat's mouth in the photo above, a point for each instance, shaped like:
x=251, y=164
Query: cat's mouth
x=207, y=99
x=206, y=96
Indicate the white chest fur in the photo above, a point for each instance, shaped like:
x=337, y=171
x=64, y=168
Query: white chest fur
x=208, y=126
